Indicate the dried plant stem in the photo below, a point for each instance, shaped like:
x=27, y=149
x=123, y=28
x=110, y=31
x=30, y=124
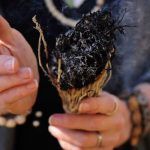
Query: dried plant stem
x=109, y=73
x=41, y=40
x=59, y=70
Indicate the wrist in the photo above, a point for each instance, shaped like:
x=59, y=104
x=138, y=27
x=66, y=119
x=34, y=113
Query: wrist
x=138, y=105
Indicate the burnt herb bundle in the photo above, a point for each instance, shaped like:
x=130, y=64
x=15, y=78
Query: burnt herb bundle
x=84, y=51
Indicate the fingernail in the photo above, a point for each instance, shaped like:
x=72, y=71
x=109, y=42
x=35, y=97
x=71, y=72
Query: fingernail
x=55, y=119
x=33, y=85
x=10, y=64
x=51, y=129
x=84, y=107
x=50, y=120
x=26, y=73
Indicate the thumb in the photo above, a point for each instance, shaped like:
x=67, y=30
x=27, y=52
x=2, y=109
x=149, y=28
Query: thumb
x=5, y=30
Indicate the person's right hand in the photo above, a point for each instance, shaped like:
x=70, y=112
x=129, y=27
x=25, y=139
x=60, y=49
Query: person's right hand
x=15, y=83
x=18, y=72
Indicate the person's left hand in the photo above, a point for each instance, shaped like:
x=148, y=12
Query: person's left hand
x=81, y=131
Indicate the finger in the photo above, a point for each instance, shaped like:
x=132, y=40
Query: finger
x=103, y=104
x=5, y=29
x=13, y=95
x=8, y=65
x=84, y=139
x=24, y=75
x=84, y=122
x=67, y=146
x=75, y=137
x=4, y=50
x=23, y=105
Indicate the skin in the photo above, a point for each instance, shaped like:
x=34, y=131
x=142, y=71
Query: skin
x=18, y=72
x=79, y=132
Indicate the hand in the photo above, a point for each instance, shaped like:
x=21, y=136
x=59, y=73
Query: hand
x=18, y=72
x=80, y=132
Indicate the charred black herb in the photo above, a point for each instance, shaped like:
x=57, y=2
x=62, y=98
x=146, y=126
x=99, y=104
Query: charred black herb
x=84, y=50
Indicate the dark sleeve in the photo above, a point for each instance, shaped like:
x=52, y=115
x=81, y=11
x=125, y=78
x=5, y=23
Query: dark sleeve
x=0, y=10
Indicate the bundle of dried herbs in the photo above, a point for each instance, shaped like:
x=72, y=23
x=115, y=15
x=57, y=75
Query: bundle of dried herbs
x=80, y=64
